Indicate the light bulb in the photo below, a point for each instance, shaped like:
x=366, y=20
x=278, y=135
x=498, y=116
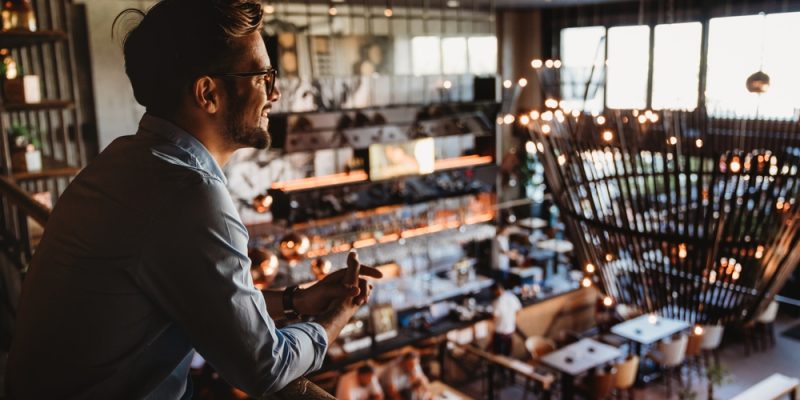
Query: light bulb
x=388, y=12
x=508, y=119
x=608, y=302
x=586, y=282
x=590, y=268
x=524, y=119
x=523, y=82
x=507, y=84
x=332, y=11
x=608, y=135
x=548, y=63
x=537, y=63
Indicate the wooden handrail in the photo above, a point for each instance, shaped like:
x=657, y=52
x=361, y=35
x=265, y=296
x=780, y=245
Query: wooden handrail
x=301, y=388
x=24, y=201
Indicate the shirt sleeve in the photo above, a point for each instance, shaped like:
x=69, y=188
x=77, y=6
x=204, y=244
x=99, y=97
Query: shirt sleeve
x=195, y=267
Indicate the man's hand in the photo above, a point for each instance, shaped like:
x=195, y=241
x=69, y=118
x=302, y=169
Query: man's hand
x=337, y=286
x=339, y=295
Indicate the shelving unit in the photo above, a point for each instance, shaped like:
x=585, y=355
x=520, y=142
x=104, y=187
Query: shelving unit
x=56, y=120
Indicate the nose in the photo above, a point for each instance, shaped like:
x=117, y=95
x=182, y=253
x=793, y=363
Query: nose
x=276, y=93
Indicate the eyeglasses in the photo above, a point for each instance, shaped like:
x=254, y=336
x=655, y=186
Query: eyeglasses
x=268, y=75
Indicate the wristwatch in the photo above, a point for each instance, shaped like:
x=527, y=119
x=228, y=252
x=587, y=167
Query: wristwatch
x=288, y=302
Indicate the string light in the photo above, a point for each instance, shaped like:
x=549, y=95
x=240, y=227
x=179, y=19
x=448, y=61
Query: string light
x=548, y=63
x=735, y=165
x=507, y=84
x=551, y=103
x=534, y=115
x=600, y=120
x=332, y=10
x=673, y=140
x=586, y=282
x=546, y=129
x=522, y=82
x=524, y=119
x=698, y=143
x=608, y=301
x=547, y=116
x=530, y=147
x=537, y=63
x=682, y=251
x=447, y=85
x=509, y=119
x=269, y=8
x=557, y=64
x=698, y=330
x=608, y=135
x=590, y=268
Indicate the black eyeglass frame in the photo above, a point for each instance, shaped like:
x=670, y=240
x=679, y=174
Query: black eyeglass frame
x=270, y=77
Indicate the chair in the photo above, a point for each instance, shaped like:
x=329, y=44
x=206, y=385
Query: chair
x=538, y=346
x=760, y=333
x=600, y=386
x=765, y=324
x=712, y=338
x=693, y=355
x=626, y=375
x=670, y=355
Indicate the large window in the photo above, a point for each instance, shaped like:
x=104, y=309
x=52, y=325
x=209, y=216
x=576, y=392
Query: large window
x=741, y=46
x=628, y=65
x=483, y=55
x=581, y=50
x=432, y=55
x=676, y=66
x=737, y=48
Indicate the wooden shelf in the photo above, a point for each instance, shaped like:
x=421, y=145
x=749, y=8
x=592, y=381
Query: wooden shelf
x=43, y=105
x=50, y=169
x=22, y=38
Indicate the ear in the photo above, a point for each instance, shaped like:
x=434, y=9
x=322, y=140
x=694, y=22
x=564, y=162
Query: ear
x=206, y=94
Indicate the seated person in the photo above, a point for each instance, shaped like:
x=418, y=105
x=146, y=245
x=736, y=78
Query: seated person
x=360, y=384
x=405, y=380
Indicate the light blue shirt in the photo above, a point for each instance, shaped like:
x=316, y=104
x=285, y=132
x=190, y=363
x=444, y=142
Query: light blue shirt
x=144, y=259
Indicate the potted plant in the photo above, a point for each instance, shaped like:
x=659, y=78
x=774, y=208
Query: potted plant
x=717, y=376
x=25, y=147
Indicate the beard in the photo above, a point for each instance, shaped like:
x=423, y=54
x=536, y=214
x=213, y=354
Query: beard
x=239, y=131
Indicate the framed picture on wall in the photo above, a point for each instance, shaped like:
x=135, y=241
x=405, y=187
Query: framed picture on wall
x=384, y=321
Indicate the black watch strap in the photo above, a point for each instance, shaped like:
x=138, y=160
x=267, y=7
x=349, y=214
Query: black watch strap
x=288, y=302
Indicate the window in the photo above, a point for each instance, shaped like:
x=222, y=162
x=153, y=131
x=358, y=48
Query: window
x=482, y=55
x=454, y=55
x=426, y=56
x=628, y=66
x=741, y=46
x=676, y=66
x=582, y=48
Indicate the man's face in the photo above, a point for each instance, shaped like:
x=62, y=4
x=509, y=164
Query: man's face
x=247, y=106
x=365, y=379
x=409, y=365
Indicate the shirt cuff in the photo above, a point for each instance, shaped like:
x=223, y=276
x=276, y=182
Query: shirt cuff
x=313, y=337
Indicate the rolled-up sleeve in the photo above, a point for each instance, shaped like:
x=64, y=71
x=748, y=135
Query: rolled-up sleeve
x=195, y=267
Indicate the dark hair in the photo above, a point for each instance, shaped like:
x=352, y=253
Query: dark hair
x=178, y=40
x=410, y=355
x=365, y=369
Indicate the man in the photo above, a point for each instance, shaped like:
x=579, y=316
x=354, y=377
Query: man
x=361, y=384
x=504, y=308
x=404, y=380
x=145, y=258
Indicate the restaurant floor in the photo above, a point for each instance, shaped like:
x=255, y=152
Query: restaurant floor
x=743, y=372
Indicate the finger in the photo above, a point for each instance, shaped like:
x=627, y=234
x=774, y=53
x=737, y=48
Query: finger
x=370, y=272
x=366, y=288
x=353, y=266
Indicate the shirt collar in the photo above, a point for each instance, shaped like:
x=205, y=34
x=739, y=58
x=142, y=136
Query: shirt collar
x=196, y=154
